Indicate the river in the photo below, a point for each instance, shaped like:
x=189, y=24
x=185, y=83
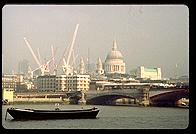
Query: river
x=109, y=117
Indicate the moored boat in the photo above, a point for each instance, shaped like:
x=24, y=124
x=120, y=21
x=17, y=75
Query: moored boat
x=33, y=114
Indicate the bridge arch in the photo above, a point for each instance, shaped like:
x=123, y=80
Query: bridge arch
x=168, y=98
x=107, y=99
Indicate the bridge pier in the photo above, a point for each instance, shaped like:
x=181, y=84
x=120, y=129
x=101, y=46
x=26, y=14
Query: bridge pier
x=144, y=98
x=82, y=100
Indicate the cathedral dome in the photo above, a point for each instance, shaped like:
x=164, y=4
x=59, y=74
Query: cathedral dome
x=114, y=62
x=114, y=54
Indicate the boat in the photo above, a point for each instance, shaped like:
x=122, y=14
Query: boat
x=33, y=114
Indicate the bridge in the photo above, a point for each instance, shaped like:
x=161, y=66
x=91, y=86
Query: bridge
x=169, y=98
x=142, y=95
x=109, y=96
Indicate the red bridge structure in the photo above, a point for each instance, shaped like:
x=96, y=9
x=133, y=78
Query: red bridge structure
x=169, y=98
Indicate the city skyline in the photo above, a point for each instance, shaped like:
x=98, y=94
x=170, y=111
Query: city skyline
x=151, y=36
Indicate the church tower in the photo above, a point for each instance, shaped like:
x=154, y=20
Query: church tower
x=99, y=69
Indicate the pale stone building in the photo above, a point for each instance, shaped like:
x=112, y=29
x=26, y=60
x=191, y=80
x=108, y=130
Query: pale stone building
x=63, y=82
x=149, y=73
x=78, y=82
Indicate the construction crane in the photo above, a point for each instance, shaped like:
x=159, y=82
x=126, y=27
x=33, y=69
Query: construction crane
x=67, y=68
x=39, y=57
x=31, y=50
x=52, y=49
x=30, y=72
x=54, y=66
x=44, y=67
x=73, y=63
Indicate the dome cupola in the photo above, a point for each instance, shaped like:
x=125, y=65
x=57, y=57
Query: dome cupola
x=114, y=53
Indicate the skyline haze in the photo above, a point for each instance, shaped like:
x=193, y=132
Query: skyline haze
x=146, y=35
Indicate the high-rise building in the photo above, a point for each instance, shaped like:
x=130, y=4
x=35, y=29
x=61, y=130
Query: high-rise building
x=23, y=66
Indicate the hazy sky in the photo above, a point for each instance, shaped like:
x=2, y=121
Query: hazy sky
x=148, y=35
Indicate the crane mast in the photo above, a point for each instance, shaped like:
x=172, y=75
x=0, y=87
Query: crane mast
x=31, y=50
x=39, y=55
x=43, y=67
x=67, y=68
x=73, y=41
x=52, y=49
x=53, y=61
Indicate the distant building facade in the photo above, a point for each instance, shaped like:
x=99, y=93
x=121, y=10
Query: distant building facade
x=63, y=82
x=78, y=82
x=9, y=81
x=149, y=73
x=46, y=83
x=12, y=81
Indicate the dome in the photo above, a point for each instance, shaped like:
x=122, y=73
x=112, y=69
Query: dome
x=114, y=54
x=114, y=62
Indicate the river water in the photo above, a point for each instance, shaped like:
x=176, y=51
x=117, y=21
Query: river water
x=109, y=117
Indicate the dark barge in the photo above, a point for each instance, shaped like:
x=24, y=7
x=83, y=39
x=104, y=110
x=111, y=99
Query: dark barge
x=32, y=114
